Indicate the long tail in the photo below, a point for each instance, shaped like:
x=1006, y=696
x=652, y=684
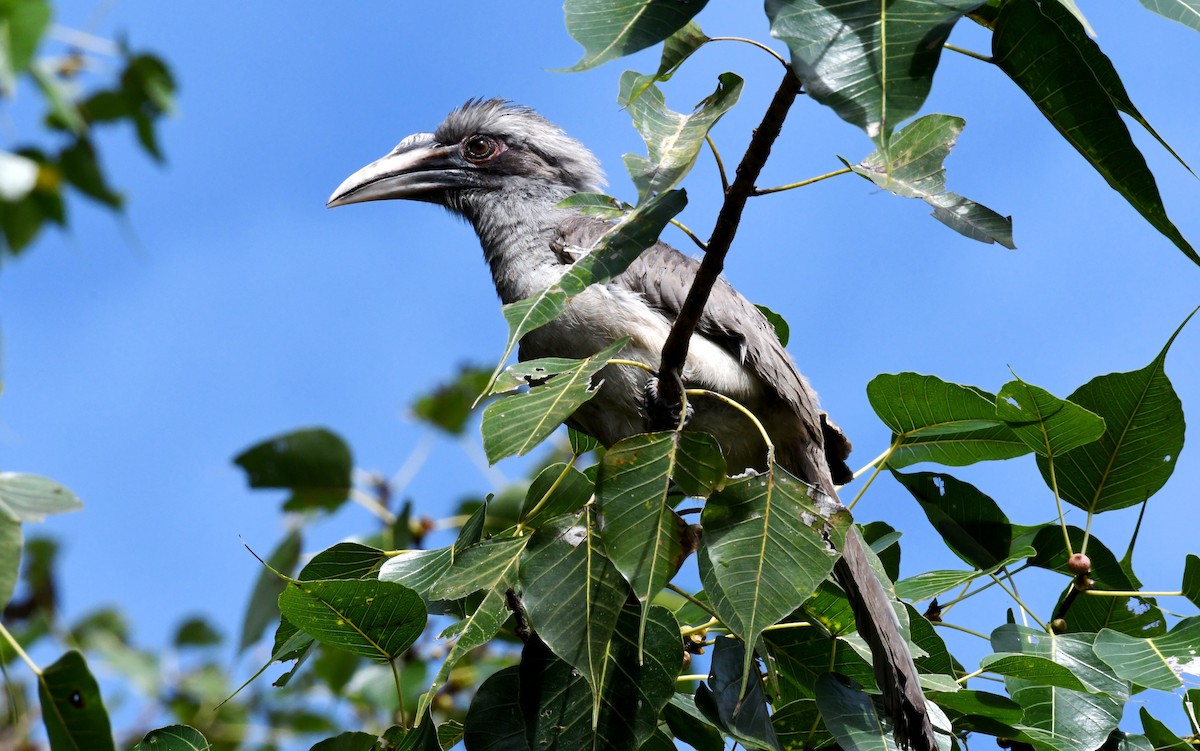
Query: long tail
x=894, y=669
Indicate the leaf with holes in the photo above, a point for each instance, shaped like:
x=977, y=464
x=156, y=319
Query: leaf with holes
x=609, y=30
x=971, y=523
x=367, y=617
x=673, y=139
x=872, y=62
x=766, y=548
x=912, y=168
x=937, y=421
x=516, y=424
x=1142, y=440
x=1154, y=662
x=1048, y=425
x=72, y=708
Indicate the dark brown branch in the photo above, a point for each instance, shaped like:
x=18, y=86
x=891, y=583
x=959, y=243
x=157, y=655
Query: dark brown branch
x=675, y=350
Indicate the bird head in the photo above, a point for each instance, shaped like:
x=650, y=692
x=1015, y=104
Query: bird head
x=482, y=147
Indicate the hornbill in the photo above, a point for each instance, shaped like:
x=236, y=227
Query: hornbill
x=504, y=168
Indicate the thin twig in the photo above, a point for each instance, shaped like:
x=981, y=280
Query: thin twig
x=754, y=43
x=675, y=349
x=684, y=228
x=968, y=53
x=802, y=183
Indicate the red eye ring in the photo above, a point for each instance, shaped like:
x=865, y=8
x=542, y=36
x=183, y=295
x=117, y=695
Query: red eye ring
x=479, y=148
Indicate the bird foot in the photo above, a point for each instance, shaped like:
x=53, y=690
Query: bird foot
x=662, y=414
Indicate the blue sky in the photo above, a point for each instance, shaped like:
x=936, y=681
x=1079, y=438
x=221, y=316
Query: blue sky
x=140, y=355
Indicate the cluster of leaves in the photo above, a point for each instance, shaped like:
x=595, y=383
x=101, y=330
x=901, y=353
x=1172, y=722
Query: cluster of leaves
x=565, y=619
x=33, y=178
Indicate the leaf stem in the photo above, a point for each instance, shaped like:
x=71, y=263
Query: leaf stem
x=692, y=599
x=12, y=642
x=1062, y=519
x=790, y=624
x=1128, y=593
x=631, y=364
x=968, y=53
x=691, y=677
x=689, y=630
x=684, y=228
x=879, y=463
x=754, y=43
x=399, y=693
x=549, y=492
x=749, y=415
x=802, y=183
x=964, y=629
x=963, y=680
x=712, y=145
x=367, y=501
x=1017, y=599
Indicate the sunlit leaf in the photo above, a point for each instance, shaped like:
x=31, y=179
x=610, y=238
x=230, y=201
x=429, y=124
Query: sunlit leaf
x=1154, y=662
x=1035, y=44
x=557, y=490
x=516, y=424
x=673, y=140
x=912, y=167
x=1141, y=442
x=1186, y=12
x=608, y=30
x=30, y=498
x=872, y=62
x=1160, y=735
x=72, y=708
x=1048, y=425
x=937, y=421
x=367, y=617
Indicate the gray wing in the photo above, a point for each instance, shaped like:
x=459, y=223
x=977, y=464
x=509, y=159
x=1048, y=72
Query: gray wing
x=663, y=275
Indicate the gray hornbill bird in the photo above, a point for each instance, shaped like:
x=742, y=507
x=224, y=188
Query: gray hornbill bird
x=504, y=168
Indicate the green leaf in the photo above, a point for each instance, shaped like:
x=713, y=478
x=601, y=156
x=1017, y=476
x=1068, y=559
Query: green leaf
x=149, y=89
x=783, y=332
x=345, y=560
x=11, y=541
x=737, y=705
x=581, y=443
x=1160, y=735
x=1076, y=652
x=611, y=255
x=516, y=424
x=912, y=168
x=802, y=654
x=646, y=540
x=557, y=490
x=348, y=741
x=1039, y=670
x=1154, y=662
x=688, y=725
x=22, y=24
x=679, y=47
x=760, y=559
x=595, y=204
x=798, y=725
x=633, y=692
x=490, y=566
x=854, y=721
x=370, y=618
x=81, y=168
x=872, y=62
x=934, y=420
x=262, y=609
x=573, y=594
x=673, y=140
x=494, y=720
x=933, y=583
x=608, y=30
x=314, y=463
x=987, y=712
x=418, y=570
x=72, y=708
x=971, y=524
x=1035, y=44
x=1140, y=445
x=30, y=498
x=1186, y=12
x=174, y=738
x=448, y=406
x=196, y=632
x=1048, y=425
x=1191, y=579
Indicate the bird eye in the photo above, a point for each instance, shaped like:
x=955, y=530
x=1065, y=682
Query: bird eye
x=478, y=148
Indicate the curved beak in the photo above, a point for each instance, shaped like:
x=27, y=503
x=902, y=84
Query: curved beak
x=419, y=169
